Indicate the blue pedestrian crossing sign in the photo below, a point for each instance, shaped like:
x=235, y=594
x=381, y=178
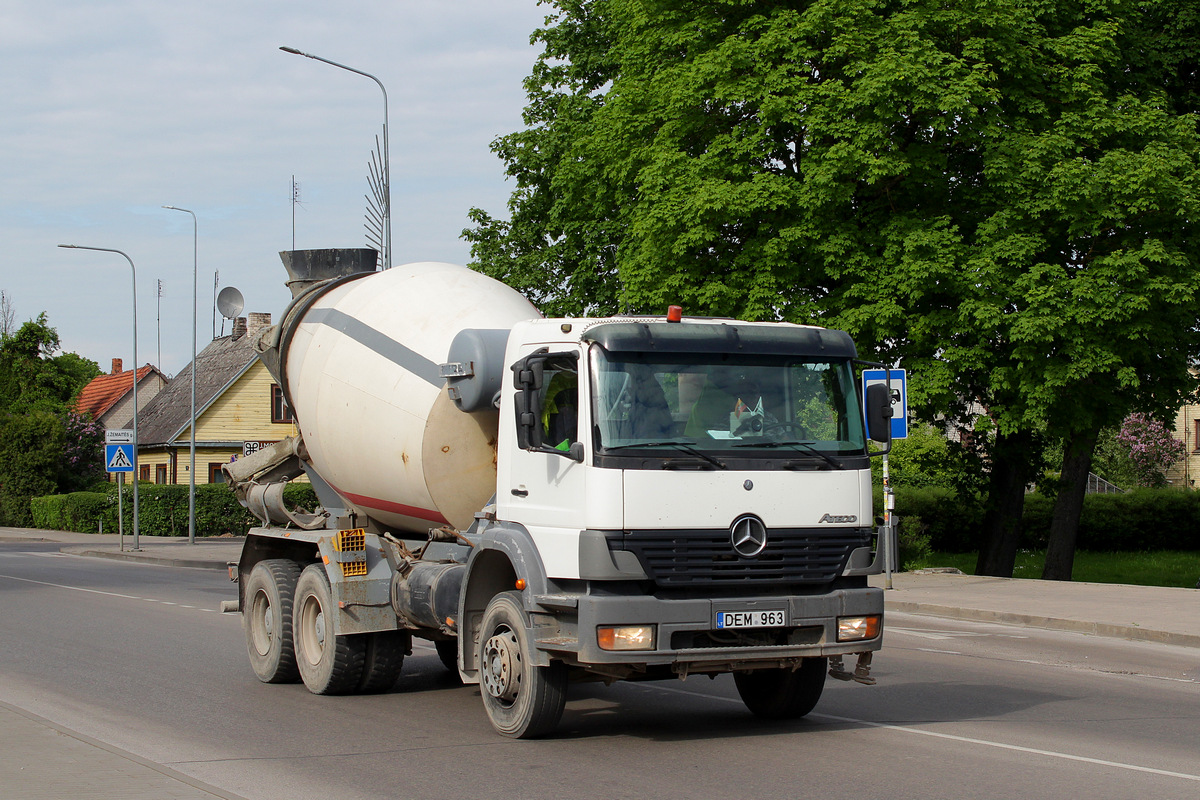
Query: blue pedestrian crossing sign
x=899, y=385
x=118, y=457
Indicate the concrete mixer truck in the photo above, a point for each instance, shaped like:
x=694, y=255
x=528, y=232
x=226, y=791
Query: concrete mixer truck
x=557, y=500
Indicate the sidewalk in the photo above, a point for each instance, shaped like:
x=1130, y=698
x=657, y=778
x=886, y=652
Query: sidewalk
x=169, y=551
x=1145, y=613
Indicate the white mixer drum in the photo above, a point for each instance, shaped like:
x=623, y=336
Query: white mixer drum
x=362, y=368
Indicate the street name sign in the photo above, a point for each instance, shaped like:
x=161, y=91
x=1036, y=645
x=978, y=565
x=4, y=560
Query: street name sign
x=118, y=436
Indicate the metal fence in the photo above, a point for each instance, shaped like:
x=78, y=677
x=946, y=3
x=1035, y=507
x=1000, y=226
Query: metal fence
x=1097, y=485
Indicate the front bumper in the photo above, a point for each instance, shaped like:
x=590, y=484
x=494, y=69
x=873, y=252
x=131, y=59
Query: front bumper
x=685, y=639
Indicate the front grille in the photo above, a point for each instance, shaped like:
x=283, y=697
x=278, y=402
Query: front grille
x=706, y=558
x=757, y=637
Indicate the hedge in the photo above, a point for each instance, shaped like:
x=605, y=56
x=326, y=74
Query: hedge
x=162, y=510
x=1144, y=519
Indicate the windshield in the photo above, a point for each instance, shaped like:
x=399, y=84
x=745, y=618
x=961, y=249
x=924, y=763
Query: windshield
x=736, y=405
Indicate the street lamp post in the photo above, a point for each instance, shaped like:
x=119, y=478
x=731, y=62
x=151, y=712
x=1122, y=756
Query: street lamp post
x=387, y=169
x=195, y=302
x=133, y=273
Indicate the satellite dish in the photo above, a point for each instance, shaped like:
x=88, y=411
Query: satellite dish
x=230, y=302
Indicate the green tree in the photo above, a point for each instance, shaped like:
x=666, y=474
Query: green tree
x=34, y=375
x=37, y=453
x=927, y=459
x=559, y=244
x=31, y=448
x=984, y=188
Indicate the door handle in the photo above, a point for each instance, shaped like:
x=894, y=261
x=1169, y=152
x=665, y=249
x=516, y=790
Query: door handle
x=520, y=493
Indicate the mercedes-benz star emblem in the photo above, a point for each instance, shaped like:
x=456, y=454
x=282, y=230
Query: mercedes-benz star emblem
x=748, y=536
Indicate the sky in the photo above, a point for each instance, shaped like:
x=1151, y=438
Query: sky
x=111, y=109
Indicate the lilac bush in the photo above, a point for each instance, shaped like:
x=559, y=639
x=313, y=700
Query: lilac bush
x=83, y=451
x=1152, y=448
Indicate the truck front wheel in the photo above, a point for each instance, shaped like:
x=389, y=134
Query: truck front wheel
x=329, y=664
x=783, y=693
x=267, y=620
x=523, y=701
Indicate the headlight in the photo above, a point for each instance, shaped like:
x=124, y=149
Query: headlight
x=857, y=629
x=629, y=637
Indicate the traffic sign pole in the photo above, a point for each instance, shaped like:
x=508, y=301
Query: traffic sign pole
x=121, y=509
x=897, y=382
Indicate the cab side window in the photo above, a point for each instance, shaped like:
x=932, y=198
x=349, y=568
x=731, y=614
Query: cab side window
x=559, y=402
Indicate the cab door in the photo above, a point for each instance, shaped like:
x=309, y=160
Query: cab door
x=541, y=482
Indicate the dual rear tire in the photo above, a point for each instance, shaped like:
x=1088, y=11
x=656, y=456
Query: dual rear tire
x=288, y=622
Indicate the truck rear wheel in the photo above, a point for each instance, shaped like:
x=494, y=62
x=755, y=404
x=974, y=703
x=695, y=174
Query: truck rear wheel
x=382, y=660
x=523, y=701
x=328, y=663
x=267, y=620
x=783, y=693
x=447, y=650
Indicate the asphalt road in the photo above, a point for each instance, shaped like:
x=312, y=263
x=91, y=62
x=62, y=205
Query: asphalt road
x=137, y=656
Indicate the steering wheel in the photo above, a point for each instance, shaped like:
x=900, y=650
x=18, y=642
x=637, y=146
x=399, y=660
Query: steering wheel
x=796, y=427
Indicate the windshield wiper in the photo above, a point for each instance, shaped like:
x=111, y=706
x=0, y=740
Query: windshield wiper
x=685, y=446
x=808, y=449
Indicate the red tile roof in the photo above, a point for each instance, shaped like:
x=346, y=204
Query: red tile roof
x=105, y=391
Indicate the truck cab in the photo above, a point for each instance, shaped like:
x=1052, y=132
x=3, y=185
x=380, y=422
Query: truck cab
x=688, y=497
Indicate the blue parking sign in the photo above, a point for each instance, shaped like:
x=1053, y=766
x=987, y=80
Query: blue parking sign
x=899, y=381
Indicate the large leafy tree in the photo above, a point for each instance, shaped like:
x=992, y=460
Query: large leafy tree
x=34, y=375
x=1003, y=193
x=43, y=446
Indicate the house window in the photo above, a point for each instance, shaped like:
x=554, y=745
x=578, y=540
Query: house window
x=279, y=407
x=143, y=472
x=214, y=472
x=160, y=473
x=1196, y=438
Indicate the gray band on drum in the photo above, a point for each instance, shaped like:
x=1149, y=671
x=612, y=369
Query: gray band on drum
x=377, y=342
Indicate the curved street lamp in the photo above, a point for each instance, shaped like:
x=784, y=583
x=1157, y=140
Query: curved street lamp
x=387, y=170
x=192, y=469
x=133, y=271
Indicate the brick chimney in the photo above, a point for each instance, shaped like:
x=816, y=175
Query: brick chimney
x=116, y=367
x=239, y=328
x=256, y=321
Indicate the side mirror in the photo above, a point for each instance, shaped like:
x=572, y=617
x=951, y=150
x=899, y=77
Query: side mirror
x=527, y=378
x=879, y=413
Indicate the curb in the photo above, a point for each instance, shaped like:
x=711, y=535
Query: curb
x=1110, y=630
x=162, y=561
x=116, y=754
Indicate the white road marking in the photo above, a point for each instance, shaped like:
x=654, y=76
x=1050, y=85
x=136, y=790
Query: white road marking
x=932, y=634
x=1015, y=747
x=952, y=737
x=101, y=592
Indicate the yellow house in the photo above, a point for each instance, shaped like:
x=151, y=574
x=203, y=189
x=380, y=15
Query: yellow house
x=1187, y=428
x=239, y=408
